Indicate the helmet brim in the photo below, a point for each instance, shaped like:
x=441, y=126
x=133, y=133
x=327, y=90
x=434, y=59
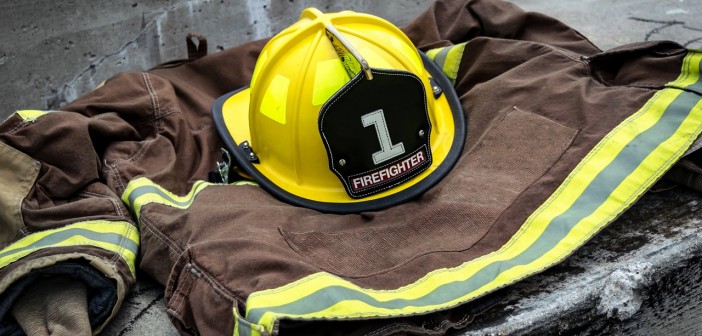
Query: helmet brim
x=231, y=117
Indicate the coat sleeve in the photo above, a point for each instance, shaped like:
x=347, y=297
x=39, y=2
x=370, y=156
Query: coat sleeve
x=448, y=22
x=59, y=220
x=65, y=209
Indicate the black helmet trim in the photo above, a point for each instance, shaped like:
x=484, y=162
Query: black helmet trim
x=460, y=130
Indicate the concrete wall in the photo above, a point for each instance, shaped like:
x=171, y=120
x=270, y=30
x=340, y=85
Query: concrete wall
x=51, y=52
x=611, y=23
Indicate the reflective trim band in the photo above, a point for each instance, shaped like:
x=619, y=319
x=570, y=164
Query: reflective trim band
x=245, y=182
x=31, y=115
x=622, y=166
x=142, y=191
x=120, y=237
x=448, y=59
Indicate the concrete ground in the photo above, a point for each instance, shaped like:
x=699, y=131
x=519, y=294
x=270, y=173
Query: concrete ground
x=639, y=276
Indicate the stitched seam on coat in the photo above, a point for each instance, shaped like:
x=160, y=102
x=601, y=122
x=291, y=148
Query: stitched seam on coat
x=115, y=202
x=148, y=225
x=138, y=155
x=219, y=289
x=20, y=126
x=201, y=129
x=156, y=103
x=115, y=174
x=184, y=292
x=158, y=114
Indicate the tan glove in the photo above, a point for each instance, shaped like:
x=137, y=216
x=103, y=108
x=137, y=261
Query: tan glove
x=54, y=306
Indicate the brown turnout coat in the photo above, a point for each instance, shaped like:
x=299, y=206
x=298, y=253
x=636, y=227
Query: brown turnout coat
x=562, y=138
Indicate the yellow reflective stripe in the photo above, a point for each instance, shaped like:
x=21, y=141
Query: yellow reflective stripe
x=119, y=237
x=691, y=76
x=245, y=182
x=142, y=191
x=31, y=115
x=651, y=168
x=453, y=61
x=448, y=59
x=613, y=175
x=432, y=53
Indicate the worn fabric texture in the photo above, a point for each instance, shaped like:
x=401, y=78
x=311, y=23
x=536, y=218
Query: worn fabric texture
x=121, y=171
x=53, y=306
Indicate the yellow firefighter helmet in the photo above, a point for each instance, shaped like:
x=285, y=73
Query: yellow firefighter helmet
x=343, y=115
